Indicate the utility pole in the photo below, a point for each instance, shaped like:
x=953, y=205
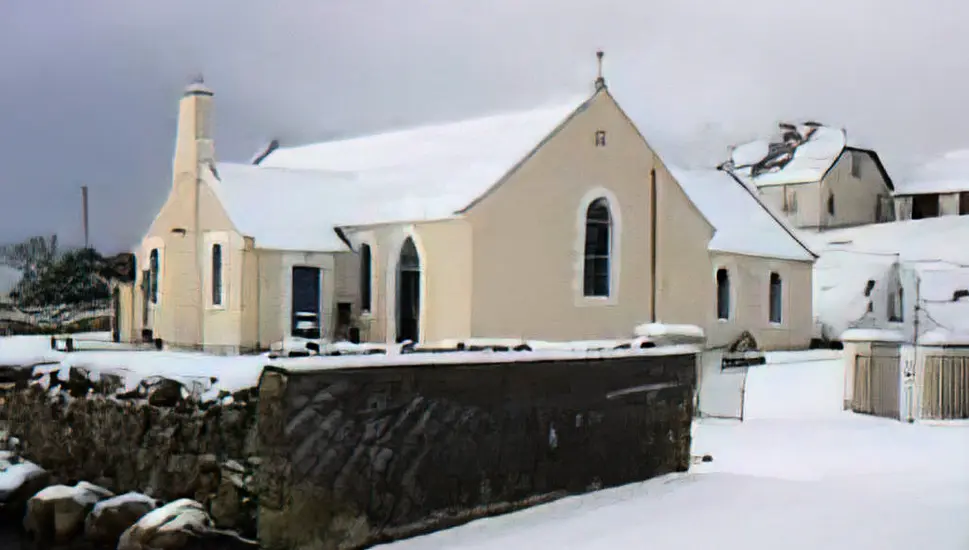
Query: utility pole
x=87, y=242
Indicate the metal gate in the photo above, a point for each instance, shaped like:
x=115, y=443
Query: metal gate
x=877, y=386
x=945, y=388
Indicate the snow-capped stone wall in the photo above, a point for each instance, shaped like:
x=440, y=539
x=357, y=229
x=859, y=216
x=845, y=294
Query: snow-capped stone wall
x=355, y=456
x=159, y=441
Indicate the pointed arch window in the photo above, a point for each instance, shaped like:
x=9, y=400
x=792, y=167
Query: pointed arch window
x=598, y=249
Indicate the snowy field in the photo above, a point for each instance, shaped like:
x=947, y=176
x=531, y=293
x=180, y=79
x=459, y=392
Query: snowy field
x=799, y=473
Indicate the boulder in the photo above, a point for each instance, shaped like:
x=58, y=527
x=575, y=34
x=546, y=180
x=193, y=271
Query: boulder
x=170, y=527
x=110, y=518
x=18, y=482
x=56, y=514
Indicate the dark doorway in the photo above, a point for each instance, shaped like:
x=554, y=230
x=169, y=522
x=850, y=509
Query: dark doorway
x=116, y=320
x=925, y=206
x=963, y=203
x=344, y=320
x=306, y=320
x=408, y=293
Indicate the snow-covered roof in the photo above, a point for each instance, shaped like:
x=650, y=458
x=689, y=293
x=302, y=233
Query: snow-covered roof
x=743, y=224
x=943, y=320
x=779, y=162
x=418, y=174
x=930, y=239
x=839, y=282
x=947, y=174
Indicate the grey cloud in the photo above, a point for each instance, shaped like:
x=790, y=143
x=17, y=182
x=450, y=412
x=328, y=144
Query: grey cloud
x=88, y=94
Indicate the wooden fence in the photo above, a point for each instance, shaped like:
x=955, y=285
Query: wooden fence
x=877, y=386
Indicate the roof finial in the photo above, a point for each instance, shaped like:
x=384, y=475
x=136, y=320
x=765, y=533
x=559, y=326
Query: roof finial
x=600, y=81
x=197, y=86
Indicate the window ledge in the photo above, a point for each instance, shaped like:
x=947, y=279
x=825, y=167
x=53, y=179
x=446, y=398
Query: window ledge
x=723, y=320
x=773, y=324
x=596, y=301
x=213, y=307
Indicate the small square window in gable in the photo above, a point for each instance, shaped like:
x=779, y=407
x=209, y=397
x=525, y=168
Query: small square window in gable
x=600, y=138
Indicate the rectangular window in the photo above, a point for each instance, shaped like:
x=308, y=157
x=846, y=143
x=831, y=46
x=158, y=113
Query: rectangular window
x=217, y=274
x=153, y=279
x=306, y=321
x=723, y=294
x=366, y=269
x=896, y=306
x=857, y=160
x=776, y=298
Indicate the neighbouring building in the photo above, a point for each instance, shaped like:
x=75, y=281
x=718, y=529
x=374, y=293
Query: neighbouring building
x=897, y=296
x=939, y=188
x=815, y=178
x=558, y=223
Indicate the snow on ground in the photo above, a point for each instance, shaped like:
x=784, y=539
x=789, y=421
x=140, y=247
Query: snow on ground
x=798, y=473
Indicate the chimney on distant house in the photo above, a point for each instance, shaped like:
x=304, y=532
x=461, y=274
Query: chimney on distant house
x=193, y=141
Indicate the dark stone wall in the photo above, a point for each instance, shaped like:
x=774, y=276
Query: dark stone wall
x=352, y=457
x=168, y=452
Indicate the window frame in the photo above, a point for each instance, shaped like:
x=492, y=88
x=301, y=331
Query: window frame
x=598, y=219
x=217, y=283
x=366, y=282
x=775, y=299
x=614, y=209
x=154, y=270
x=719, y=294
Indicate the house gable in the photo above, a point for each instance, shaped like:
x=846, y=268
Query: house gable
x=528, y=232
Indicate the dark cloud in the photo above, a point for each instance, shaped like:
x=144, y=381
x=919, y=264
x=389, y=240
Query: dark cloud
x=88, y=93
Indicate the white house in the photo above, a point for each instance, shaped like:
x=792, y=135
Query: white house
x=897, y=296
x=939, y=188
x=813, y=176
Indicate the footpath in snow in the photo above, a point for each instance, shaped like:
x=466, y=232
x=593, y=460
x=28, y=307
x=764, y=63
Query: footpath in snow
x=799, y=473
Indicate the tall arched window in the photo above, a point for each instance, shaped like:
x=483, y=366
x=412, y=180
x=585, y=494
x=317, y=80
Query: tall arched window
x=723, y=294
x=831, y=204
x=598, y=249
x=408, y=293
x=153, y=276
x=217, y=274
x=366, y=271
x=775, y=302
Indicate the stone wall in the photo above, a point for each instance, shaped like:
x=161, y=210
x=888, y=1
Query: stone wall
x=352, y=457
x=163, y=446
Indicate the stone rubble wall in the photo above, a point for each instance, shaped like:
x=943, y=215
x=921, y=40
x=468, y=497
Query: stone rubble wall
x=161, y=445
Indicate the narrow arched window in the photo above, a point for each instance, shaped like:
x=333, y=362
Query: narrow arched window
x=217, y=274
x=831, y=204
x=723, y=294
x=365, y=277
x=776, y=303
x=153, y=276
x=598, y=249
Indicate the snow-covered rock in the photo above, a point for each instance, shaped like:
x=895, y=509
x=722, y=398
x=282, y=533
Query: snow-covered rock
x=19, y=481
x=56, y=514
x=110, y=518
x=167, y=528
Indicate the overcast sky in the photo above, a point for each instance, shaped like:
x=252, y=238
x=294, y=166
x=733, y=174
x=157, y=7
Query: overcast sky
x=89, y=90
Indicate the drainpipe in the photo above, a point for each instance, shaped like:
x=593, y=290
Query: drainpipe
x=198, y=264
x=652, y=243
